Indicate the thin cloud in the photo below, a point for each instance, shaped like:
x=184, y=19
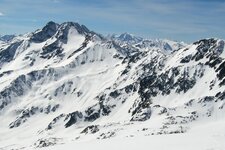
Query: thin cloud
x=2, y=14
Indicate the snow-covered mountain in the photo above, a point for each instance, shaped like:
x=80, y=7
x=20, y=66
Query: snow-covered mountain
x=65, y=83
x=7, y=38
x=127, y=40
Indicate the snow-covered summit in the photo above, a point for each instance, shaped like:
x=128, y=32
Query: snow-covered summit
x=127, y=38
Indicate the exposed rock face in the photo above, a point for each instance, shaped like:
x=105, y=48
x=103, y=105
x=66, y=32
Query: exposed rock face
x=7, y=55
x=47, y=32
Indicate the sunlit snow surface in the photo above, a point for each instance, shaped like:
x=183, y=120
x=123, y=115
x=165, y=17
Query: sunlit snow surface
x=201, y=137
x=78, y=90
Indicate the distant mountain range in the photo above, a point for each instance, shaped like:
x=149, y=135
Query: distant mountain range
x=7, y=38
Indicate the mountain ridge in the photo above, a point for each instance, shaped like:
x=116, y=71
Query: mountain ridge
x=64, y=82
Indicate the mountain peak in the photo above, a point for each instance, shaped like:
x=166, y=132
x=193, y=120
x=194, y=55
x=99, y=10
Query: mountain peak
x=51, y=26
x=51, y=23
x=81, y=29
x=45, y=33
x=127, y=38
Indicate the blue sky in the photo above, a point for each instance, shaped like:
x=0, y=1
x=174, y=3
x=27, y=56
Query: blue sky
x=182, y=20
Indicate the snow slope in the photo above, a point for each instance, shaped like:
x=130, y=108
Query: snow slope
x=196, y=139
x=64, y=84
